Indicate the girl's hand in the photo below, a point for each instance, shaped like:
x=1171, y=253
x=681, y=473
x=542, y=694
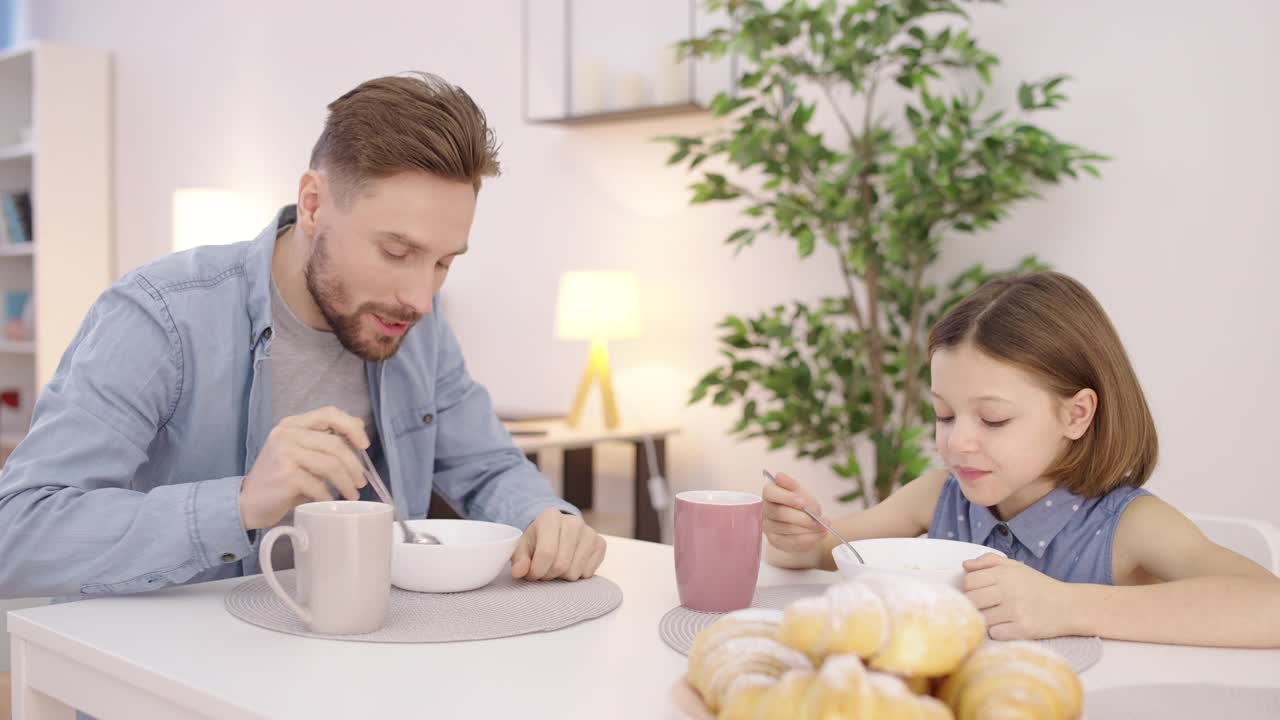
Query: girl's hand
x=786, y=525
x=1019, y=603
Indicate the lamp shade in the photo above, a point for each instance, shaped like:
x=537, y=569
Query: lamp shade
x=211, y=216
x=603, y=304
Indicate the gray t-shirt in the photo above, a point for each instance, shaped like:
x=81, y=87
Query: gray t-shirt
x=310, y=369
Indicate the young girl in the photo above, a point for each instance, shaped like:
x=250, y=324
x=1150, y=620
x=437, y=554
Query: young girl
x=1046, y=440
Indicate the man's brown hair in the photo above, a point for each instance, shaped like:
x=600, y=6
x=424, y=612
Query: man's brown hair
x=1052, y=327
x=400, y=123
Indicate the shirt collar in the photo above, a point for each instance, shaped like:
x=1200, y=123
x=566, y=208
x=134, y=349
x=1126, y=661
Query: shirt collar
x=258, y=272
x=1035, y=527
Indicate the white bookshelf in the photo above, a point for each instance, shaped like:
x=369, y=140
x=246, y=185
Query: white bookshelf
x=63, y=94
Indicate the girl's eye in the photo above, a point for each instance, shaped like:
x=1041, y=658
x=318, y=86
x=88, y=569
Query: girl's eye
x=995, y=423
x=945, y=419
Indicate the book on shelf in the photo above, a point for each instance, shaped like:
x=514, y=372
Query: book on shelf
x=15, y=207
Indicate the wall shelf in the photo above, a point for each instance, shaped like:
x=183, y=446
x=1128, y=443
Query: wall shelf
x=18, y=250
x=20, y=151
x=587, y=62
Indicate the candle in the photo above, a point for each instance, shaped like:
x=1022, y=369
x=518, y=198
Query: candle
x=673, y=78
x=589, y=88
x=633, y=92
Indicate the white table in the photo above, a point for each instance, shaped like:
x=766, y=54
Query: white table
x=178, y=654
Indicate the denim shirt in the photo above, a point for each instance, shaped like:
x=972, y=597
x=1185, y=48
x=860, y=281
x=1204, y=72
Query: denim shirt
x=1063, y=535
x=129, y=479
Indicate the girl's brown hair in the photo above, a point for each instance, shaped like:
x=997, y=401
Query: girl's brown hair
x=1052, y=327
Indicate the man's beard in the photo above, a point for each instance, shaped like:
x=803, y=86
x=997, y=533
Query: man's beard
x=329, y=294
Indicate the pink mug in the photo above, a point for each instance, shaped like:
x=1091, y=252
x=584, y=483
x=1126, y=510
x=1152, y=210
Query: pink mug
x=717, y=548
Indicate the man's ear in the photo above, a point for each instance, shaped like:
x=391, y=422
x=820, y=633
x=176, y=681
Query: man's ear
x=310, y=187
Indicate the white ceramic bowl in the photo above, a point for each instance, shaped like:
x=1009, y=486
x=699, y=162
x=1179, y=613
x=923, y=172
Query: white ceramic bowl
x=471, y=556
x=938, y=561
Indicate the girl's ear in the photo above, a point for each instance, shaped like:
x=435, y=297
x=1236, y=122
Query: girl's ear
x=1078, y=413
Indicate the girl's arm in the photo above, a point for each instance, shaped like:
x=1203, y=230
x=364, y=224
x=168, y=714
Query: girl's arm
x=1209, y=595
x=906, y=513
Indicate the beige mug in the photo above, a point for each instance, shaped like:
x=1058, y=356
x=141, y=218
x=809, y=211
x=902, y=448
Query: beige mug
x=342, y=552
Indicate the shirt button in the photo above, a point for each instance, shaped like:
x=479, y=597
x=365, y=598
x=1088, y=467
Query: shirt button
x=1003, y=529
x=228, y=557
x=266, y=334
x=428, y=419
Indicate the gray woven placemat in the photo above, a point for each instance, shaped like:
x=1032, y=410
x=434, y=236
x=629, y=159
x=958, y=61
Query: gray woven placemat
x=502, y=608
x=680, y=625
x=1184, y=702
x=1081, y=653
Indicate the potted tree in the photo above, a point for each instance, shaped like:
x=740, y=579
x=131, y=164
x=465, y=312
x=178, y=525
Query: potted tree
x=845, y=377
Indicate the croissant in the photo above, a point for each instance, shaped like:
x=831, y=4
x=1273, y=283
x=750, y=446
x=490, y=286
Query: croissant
x=1013, y=680
x=899, y=625
x=873, y=649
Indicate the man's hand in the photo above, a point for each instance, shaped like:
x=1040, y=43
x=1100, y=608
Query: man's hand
x=301, y=453
x=557, y=546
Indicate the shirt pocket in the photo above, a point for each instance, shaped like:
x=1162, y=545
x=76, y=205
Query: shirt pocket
x=414, y=441
x=415, y=420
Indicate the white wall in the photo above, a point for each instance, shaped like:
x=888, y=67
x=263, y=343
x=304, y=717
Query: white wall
x=1175, y=239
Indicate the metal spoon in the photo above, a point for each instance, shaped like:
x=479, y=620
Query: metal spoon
x=411, y=536
x=823, y=523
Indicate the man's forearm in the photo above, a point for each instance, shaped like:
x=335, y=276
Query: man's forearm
x=60, y=542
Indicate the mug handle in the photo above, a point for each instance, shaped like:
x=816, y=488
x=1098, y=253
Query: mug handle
x=299, y=538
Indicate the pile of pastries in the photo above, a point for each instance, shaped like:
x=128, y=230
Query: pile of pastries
x=878, y=648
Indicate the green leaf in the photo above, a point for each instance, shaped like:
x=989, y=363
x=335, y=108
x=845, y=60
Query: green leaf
x=723, y=104
x=914, y=468
x=805, y=242
x=851, y=496
x=849, y=468
x=1055, y=82
x=1026, y=96
x=802, y=115
x=700, y=390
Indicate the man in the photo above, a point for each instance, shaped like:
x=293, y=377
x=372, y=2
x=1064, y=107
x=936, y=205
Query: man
x=209, y=393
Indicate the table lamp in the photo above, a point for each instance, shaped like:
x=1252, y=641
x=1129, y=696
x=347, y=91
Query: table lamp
x=597, y=306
